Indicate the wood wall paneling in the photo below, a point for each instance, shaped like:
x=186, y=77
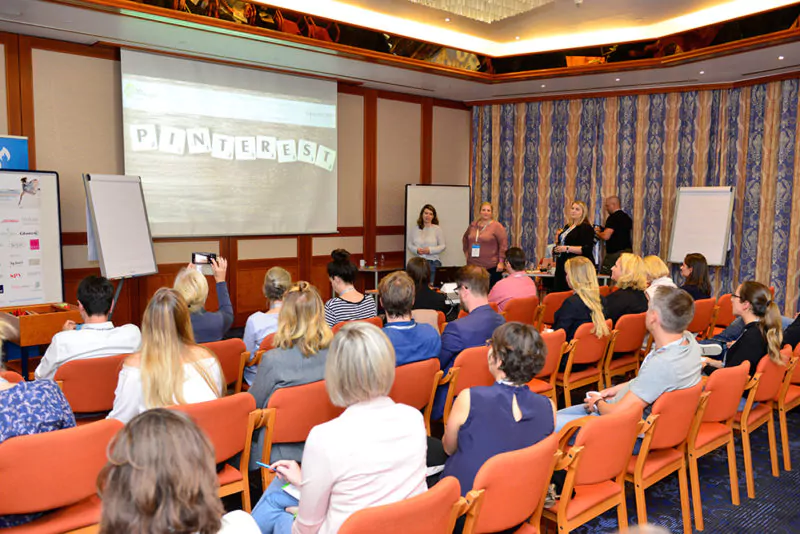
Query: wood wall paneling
x=370, y=170
x=426, y=142
x=13, y=105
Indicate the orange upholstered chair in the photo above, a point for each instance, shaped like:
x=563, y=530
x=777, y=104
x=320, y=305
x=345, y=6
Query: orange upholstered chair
x=763, y=388
x=510, y=489
x=552, y=302
x=231, y=354
x=415, y=385
x=377, y=321
x=290, y=415
x=469, y=369
x=704, y=318
x=713, y=427
x=584, y=349
x=66, y=483
x=663, y=449
x=11, y=376
x=624, y=346
x=433, y=512
x=595, y=467
x=724, y=313
x=605, y=291
x=523, y=310
x=229, y=423
x=89, y=384
x=544, y=383
x=286, y=25
x=492, y=305
x=788, y=399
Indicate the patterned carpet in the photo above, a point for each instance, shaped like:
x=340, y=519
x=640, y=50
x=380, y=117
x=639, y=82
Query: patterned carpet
x=775, y=510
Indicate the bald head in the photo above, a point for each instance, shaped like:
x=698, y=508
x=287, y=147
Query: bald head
x=612, y=204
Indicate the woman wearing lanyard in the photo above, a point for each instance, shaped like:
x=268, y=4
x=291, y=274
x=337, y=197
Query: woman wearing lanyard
x=576, y=239
x=485, y=243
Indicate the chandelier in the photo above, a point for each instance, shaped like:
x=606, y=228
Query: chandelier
x=484, y=10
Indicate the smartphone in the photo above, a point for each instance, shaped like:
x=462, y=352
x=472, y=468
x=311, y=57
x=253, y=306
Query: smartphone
x=262, y=464
x=202, y=262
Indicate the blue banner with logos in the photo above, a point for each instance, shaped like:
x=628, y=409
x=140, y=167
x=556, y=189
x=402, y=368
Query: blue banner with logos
x=13, y=153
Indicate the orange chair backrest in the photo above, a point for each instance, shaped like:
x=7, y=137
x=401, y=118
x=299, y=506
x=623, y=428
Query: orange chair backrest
x=428, y=513
x=554, y=342
x=514, y=483
x=371, y=320
x=725, y=314
x=413, y=383
x=229, y=353
x=796, y=372
x=89, y=384
x=298, y=409
x=429, y=317
x=590, y=348
x=474, y=368
x=675, y=410
x=11, y=376
x=268, y=343
x=726, y=386
x=631, y=331
x=224, y=421
x=703, y=309
x=522, y=309
x=552, y=302
x=55, y=469
x=607, y=443
x=771, y=377
x=605, y=291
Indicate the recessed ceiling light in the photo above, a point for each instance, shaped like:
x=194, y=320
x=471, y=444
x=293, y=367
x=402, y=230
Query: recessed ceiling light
x=702, y=72
x=517, y=38
x=617, y=80
x=780, y=58
x=543, y=86
x=447, y=19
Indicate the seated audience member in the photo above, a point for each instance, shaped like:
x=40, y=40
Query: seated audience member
x=791, y=336
x=517, y=284
x=301, y=348
x=762, y=333
x=193, y=287
x=426, y=298
x=505, y=416
x=657, y=274
x=412, y=341
x=372, y=454
x=629, y=275
x=470, y=331
x=170, y=368
x=96, y=337
x=161, y=477
x=261, y=324
x=673, y=364
x=694, y=270
x=586, y=305
x=349, y=305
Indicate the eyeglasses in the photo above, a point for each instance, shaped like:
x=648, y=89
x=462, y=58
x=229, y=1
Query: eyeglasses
x=735, y=296
x=488, y=343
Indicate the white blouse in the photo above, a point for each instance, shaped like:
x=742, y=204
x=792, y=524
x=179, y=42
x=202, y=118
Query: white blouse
x=431, y=236
x=129, y=395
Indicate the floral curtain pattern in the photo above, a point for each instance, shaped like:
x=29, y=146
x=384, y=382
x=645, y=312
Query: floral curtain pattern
x=532, y=159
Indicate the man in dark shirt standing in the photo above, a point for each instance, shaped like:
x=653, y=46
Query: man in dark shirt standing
x=616, y=234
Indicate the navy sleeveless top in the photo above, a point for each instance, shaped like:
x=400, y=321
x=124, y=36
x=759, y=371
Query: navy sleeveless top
x=490, y=428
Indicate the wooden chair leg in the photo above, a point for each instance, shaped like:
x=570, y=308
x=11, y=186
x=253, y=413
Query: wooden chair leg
x=684, y=496
x=622, y=513
x=697, y=502
x=246, y=498
x=641, y=505
x=732, y=472
x=748, y=464
x=567, y=396
x=787, y=457
x=773, y=446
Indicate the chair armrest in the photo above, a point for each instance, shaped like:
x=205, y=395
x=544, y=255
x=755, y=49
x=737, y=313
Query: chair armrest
x=568, y=459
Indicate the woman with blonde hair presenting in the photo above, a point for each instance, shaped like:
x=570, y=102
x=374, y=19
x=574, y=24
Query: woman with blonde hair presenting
x=170, y=368
x=485, y=243
x=575, y=239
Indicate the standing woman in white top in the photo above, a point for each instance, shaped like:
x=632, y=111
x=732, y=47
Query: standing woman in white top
x=372, y=454
x=170, y=368
x=160, y=478
x=426, y=239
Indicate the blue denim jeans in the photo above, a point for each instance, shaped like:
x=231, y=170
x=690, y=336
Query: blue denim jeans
x=433, y=264
x=270, y=512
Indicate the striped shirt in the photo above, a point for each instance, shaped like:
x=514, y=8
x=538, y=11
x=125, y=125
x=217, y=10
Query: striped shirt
x=338, y=310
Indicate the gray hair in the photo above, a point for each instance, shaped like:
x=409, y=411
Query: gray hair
x=360, y=364
x=674, y=307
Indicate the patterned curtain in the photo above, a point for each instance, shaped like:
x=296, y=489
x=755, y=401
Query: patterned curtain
x=532, y=159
